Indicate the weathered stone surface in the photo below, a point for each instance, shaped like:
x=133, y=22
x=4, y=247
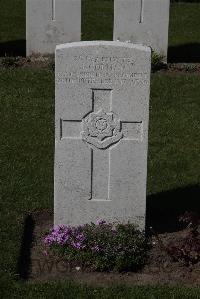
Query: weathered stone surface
x=101, y=117
x=143, y=21
x=50, y=23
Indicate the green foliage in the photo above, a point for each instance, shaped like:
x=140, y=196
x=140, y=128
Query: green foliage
x=51, y=63
x=156, y=61
x=101, y=247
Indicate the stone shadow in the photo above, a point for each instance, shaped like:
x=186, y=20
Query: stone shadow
x=24, y=260
x=164, y=209
x=13, y=48
x=188, y=53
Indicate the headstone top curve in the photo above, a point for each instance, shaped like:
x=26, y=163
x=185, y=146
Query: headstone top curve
x=104, y=43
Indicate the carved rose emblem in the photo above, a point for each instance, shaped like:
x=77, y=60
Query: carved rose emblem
x=101, y=129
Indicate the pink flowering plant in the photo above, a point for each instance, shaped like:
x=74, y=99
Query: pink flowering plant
x=100, y=247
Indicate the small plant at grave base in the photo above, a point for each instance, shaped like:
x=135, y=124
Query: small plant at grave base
x=157, y=61
x=190, y=67
x=11, y=62
x=51, y=63
x=100, y=247
x=188, y=251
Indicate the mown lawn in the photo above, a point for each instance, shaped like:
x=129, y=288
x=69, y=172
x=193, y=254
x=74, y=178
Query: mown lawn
x=73, y=291
x=27, y=142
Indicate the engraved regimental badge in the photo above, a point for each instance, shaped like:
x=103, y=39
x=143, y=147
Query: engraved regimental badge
x=101, y=129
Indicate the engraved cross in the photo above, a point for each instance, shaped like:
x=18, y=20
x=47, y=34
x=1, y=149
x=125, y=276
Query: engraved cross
x=141, y=18
x=53, y=10
x=101, y=129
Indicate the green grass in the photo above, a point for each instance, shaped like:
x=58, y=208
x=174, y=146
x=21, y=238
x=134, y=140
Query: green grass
x=26, y=152
x=72, y=291
x=184, y=24
x=174, y=132
x=12, y=20
x=97, y=20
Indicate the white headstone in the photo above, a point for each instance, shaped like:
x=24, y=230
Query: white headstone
x=143, y=21
x=50, y=23
x=101, y=117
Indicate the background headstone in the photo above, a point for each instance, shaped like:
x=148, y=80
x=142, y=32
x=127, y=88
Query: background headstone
x=50, y=23
x=101, y=117
x=143, y=21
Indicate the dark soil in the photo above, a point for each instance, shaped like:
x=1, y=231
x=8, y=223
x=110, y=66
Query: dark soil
x=182, y=68
x=34, y=61
x=161, y=269
x=40, y=61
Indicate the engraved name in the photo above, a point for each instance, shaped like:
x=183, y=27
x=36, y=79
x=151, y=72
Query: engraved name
x=102, y=70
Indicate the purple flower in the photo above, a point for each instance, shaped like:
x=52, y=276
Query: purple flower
x=96, y=248
x=59, y=234
x=114, y=230
x=47, y=240
x=80, y=237
x=100, y=222
x=77, y=245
